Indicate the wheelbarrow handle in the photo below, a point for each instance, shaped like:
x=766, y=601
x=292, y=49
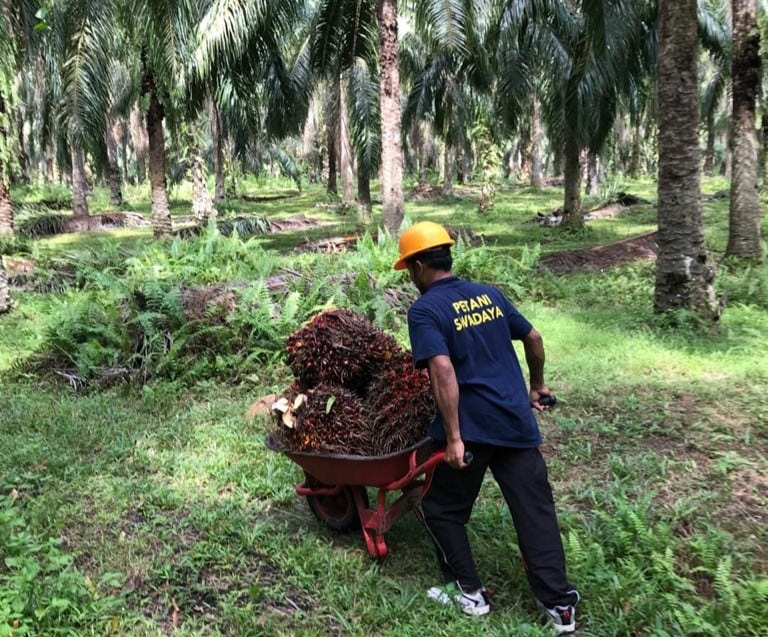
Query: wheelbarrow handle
x=468, y=457
x=415, y=470
x=434, y=460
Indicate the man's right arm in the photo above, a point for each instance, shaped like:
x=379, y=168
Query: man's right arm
x=446, y=390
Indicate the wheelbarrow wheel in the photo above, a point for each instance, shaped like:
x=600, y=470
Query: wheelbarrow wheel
x=337, y=512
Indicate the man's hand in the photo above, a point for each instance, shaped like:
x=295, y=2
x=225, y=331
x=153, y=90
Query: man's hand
x=454, y=454
x=536, y=395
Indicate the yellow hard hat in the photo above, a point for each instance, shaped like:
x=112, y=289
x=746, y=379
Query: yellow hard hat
x=419, y=237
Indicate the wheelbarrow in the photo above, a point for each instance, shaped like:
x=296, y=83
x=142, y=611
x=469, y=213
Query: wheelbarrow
x=335, y=487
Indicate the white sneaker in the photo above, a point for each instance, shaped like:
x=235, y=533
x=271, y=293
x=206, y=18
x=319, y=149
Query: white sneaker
x=563, y=619
x=471, y=603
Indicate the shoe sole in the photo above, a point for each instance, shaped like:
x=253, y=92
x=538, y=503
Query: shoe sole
x=476, y=611
x=439, y=595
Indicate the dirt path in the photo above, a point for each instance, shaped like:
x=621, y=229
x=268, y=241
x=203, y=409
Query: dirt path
x=597, y=259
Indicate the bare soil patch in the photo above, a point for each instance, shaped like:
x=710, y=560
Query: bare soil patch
x=426, y=191
x=296, y=222
x=334, y=245
x=642, y=247
x=337, y=245
x=107, y=221
x=429, y=191
x=264, y=198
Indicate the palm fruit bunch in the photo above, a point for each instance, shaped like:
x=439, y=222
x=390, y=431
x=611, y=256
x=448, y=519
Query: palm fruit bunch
x=339, y=347
x=398, y=393
x=355, y=391
x=327, y=418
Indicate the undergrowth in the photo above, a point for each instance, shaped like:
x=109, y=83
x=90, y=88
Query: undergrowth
x=42, y=592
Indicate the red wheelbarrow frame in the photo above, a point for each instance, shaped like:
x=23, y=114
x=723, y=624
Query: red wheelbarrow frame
x=330, y=475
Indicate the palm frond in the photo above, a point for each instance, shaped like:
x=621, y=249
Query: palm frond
x=714, y=30
x=343, y=31
x=364, y=115
x=85, y=72
x=236, y=29
x=444, y=25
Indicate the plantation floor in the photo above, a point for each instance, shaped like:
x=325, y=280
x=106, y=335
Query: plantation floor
x=174, y=519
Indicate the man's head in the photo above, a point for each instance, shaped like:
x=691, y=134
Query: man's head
x=425, y=250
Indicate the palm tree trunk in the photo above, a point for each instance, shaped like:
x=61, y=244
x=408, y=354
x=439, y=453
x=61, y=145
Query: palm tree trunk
x=50, y=166
x=345, y=147
x=123, y=148
x=113, y=172
x=23, y=155
x=709, y=153
x=161, y=211
x=5, y=297
x=333, y=122
x=572, y=214
x=220, y=192
x=364, y=194
x=419, y=143
x=764, y=162
x=536, y=180
x=331, y=188
x=593, y=175
x=461, y=173
x=140, y=143
x=683, y=276
x=557, y=161
x=79, y=186
x=744, y=227
x=448, y=171
x=6, y=208
x=506, y=162
x=637, y=146
x=391, y=148
x=202, y=204
x=526, y=153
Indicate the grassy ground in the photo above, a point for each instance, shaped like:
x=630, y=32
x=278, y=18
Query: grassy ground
x=156, y=510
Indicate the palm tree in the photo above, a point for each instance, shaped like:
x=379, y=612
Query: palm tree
x=715, y=34
x=585, y=55
x=78, y=40
x=448, y=70
x=344, y=50
x=5, y=297
x=683, y=275
x=121, y=98
x=744, y=226
x=391, y=144
x=15, y=19
x=365, y=123
x=255, y=59
x=217, y=137
x=714, y=87
x=6, y=207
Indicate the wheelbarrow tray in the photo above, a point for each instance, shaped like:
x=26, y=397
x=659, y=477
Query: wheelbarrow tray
x=353, y=470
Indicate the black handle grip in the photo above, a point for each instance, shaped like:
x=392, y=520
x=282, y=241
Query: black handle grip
x=548, y=401
x=468, y=457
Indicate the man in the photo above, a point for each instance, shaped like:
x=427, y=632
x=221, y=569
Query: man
x=462, y=332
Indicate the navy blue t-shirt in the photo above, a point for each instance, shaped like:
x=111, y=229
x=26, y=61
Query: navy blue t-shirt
x=474, y=324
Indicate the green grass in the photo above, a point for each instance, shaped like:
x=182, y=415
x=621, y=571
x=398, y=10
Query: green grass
x=157, y=510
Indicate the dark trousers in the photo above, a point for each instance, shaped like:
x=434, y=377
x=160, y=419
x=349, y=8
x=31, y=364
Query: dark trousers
x=522, y=476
